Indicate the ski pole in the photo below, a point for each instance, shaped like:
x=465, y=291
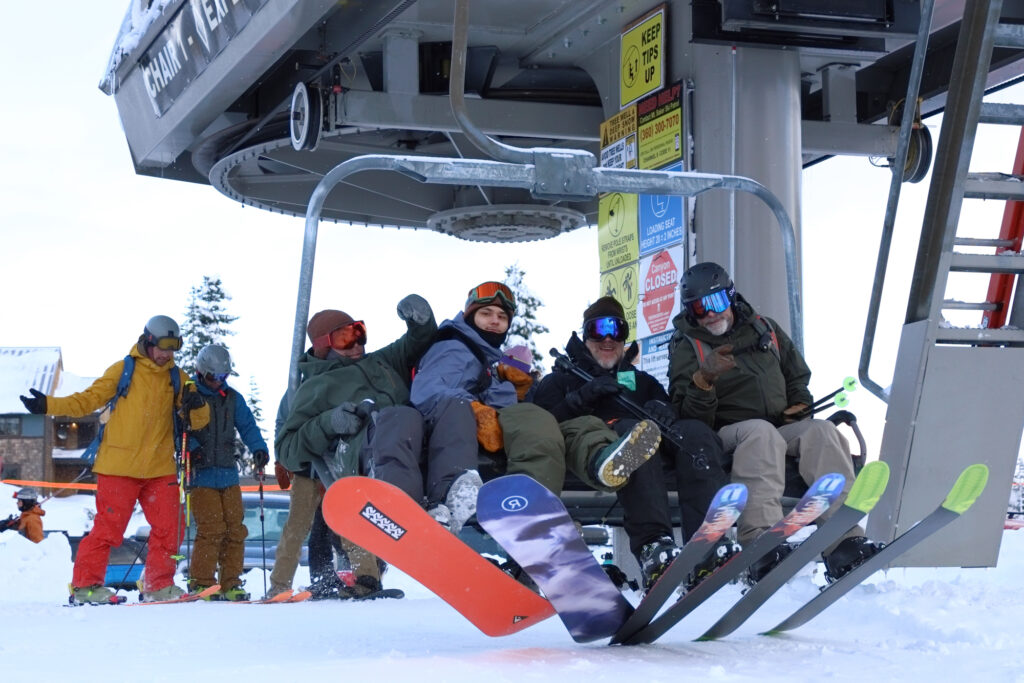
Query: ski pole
x=263, y=533
x=128, y=572
x=563, y=362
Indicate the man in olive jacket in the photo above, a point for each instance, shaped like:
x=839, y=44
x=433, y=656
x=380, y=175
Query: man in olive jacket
x=739, y=372
x=328, y=419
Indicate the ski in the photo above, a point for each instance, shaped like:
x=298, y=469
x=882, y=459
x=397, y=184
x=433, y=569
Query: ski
x=818, y=498
x=187, y=597
x=533, y=526
x=965, y=491
x=300, y=596
x=864, y=494
x=725, y=509
x=284, y=596
x=386, y=522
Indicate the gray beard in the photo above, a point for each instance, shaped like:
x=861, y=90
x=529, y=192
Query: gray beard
x=718, y=328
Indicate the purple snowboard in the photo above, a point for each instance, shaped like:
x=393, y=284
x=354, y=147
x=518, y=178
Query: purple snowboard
x=531, y=523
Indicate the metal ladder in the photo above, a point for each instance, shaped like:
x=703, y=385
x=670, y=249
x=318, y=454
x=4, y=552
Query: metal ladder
x=956, y=392
x=952, y=184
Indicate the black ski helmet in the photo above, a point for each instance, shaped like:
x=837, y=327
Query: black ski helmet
x=213, y=359
x=703, y=279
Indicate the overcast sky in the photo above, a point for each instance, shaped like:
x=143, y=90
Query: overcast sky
x=90, y=250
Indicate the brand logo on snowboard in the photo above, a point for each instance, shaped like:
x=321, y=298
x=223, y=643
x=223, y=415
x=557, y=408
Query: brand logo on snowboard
x=381, y=521
x=514, y=504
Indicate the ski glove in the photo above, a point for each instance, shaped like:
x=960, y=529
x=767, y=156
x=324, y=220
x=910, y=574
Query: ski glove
x=260, y=460
x=488, y=429
x=522, y=381
x=36, y=404
x=10, y=523
x=585, y=399
x=414, y=308
x=716, y=363
x=346, y=419
x=661, y=412
x=192, y=399
x=283, y=476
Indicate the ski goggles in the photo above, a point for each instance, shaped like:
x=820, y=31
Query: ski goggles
x=168, y=343
x=606, y=326
x=492, y=292
x=716, y=302
x=344, y=337
x=216, y=376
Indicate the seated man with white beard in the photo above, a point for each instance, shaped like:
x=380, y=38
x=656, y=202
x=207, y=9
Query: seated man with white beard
x=739, y=373
x=589, y=415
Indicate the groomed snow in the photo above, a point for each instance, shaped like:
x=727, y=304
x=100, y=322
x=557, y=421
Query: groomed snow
x=906, y=625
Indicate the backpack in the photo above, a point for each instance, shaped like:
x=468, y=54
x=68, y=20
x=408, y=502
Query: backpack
x=123, y=382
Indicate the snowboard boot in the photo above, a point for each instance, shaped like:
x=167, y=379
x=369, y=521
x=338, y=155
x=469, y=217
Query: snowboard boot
x=655, y=557
x=92, y=594
x=442, y=515
x=613, y=464
x=327, y=588
x=724, y=551
x=169, y=592
x=461, y=499
x=847, y=556
x=365, y=585
x=761, y=567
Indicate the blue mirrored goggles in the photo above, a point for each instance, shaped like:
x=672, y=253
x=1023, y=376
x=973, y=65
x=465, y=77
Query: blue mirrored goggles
x=606, y=326
x=716, y=302
x=217, y=376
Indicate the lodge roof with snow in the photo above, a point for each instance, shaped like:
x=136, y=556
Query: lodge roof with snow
x=35, y=367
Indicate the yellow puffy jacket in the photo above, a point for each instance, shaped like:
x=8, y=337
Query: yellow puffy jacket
x=139, y=438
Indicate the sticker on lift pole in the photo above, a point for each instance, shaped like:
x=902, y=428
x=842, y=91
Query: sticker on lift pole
x=616, y=230
x=621, y=284
x=659, y=291
x=618, y=140
x=642, y=57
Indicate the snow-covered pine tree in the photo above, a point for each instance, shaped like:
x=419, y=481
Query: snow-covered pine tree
x=206, y=321
x=524, y=326
x=245, y=466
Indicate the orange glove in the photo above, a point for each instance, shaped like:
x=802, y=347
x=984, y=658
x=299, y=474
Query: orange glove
x=488, y=429
x=522, y=381
x=284, y=477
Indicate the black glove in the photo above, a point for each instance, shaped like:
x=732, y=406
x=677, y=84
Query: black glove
x=346, y=420
x=36, y=404
x=192, y=400
x=662, y=412
x=414, y=308
x=260, y=460
x=585, y=399
x=9, y=523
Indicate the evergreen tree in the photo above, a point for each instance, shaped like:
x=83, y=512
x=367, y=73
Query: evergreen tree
x=245, y=465
x=206, y=321
x=524, y=326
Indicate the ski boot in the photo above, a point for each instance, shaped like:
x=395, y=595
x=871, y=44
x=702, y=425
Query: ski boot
x=613, y=465
x=94, y=595
x=757, y=571
x=236, y=594
x=655, y=557
x=724, y=551
x=847, y=556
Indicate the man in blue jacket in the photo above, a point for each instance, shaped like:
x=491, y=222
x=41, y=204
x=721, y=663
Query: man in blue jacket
x=216, y=495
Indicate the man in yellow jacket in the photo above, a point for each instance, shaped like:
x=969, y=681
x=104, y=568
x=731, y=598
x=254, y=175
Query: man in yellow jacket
x=135, y=461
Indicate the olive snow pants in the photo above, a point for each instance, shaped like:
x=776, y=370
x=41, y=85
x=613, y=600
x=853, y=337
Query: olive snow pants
x=759, y=450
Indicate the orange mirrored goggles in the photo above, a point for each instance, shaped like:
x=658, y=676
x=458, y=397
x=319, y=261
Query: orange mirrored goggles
x=344, y=337
x=491, y=292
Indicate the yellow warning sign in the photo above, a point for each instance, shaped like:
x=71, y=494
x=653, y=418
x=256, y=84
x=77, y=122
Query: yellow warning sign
x=642, y=57
x=618, y=140
x=622, y=284
x=617, y=240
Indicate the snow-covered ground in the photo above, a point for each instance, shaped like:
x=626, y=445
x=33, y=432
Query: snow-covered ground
x=908, y=624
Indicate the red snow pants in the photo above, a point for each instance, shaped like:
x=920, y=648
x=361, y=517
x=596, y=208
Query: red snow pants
x=115, y=500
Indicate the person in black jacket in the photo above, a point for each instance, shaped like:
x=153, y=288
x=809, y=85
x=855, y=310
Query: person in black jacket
x=589, y=412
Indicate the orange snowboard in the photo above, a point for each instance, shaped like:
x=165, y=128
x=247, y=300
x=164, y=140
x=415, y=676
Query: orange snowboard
x=380, y=518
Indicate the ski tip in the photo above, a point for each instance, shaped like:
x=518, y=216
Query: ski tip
x=730, y=494
x=869, y=486
x=967, y=488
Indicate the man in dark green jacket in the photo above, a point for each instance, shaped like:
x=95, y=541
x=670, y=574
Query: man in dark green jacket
x=322, y=437
x=739, y=372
